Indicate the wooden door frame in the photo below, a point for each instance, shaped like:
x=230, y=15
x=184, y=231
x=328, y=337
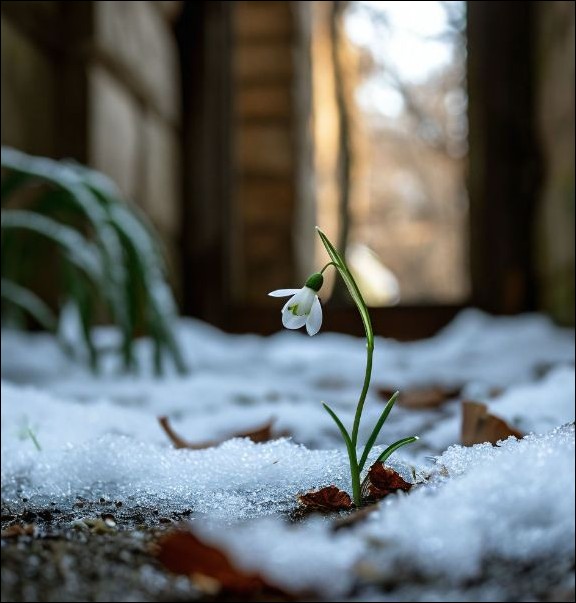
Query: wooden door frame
x=504, y=174
x=204, y=38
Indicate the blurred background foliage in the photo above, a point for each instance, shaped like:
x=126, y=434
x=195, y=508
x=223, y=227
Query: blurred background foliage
x=72, y=249
x=433, y=141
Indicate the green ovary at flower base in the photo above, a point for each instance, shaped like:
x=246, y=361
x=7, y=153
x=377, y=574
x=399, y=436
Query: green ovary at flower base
x=303, y=308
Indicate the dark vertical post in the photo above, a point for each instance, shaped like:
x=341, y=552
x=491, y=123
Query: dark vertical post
x=72, y=119
x=504, y=173
x=204, y=38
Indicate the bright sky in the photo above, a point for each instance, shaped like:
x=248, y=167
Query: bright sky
x=408, y=45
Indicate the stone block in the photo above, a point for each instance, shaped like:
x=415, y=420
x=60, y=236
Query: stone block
x=135, y=38
x=28, y=94
x=160, y=178
x=114, y=130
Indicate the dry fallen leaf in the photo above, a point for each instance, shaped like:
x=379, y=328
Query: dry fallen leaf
x=210, y=569
x=13, y=531
x=381, y=481
x=326, y=499
x=357, y=516
x=479, y=426
x=259, y=434
x=420, y=398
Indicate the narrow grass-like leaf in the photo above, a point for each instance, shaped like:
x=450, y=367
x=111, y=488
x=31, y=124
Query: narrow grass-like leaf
x=160, y=309
x=376, y=430
x=132, y=279
x=354, y=472
x=83, y=296
x=345, y=434
x=29, y=302
x=67, y=178
x=393, y=447
x=34, y=439
x=79, y=250
x=11, y=183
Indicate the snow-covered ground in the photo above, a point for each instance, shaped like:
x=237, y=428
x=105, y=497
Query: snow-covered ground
x=481, y=507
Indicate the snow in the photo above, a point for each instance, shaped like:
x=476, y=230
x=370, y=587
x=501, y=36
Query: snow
x=300, y=558
x=236, y=480
x=238, y=381
x=550, y=402
x=511, y=503
x=515, y=501
x=486, y=505
x=97, y=454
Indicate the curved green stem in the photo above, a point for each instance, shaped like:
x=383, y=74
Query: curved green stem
x=351, y=439
x=348, y=279
x=327, y=266
x=340, y=265
x=360, y=406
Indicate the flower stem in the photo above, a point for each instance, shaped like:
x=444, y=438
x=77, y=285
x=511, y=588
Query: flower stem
x=361, y=400
x=355, y=478
x=339, y=263
x=327, y=266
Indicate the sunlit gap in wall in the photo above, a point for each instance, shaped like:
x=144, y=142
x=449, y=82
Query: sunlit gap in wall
x=403, y=71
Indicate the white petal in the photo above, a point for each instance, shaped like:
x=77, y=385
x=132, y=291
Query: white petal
x=288, y=304
x=291, y=321
x=303, y=300
x=314, y=321
x=283, y=292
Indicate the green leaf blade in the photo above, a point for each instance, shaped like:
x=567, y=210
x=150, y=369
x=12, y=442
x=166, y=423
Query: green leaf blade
x=377, y=428
x=29, y=302
x=394, y=447
x=354, y=472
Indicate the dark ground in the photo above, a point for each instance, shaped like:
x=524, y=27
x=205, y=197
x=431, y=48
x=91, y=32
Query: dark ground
x=103, y=550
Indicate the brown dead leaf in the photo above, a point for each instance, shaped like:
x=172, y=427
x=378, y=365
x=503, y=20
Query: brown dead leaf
x=259, y=434
x=479, y=426
x=210, y=569
x=13, y=531
x=326, y=499
x=381, y=481
x=422, y=398
x=357, y=516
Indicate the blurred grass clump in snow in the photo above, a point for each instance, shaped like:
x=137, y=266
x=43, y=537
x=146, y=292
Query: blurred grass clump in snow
x=71, y=246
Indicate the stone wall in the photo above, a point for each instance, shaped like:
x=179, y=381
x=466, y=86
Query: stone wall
x=555, y=224
x=135, y=112
x=29, y=77
x=99, y=82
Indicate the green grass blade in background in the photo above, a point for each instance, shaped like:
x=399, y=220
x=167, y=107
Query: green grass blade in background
x=120, y=255
x=77, y=248
x=29, y=302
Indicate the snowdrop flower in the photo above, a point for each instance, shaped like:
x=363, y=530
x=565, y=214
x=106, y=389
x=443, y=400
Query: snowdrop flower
x=303, y=307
